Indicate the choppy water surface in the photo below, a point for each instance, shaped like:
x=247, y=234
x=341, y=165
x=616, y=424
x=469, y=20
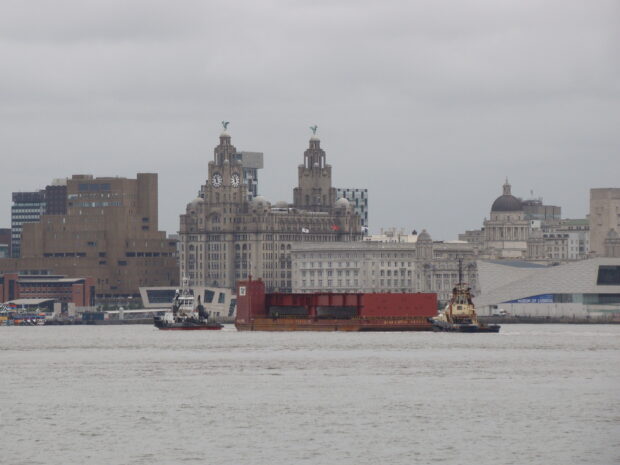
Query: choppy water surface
x=134, y=395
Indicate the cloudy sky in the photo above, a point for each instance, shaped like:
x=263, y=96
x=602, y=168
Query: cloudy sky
x=428, y=104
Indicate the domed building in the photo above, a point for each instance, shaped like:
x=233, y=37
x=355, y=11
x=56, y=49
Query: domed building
x=507, y=230
x=227, y=234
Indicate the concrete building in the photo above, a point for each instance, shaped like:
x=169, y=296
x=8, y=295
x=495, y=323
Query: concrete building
x=604, y=217
x=358, y=198
x=558, y=241
x=383, y=266
x=27, y=208
x=225, y=237
x=585, y=289
x=474, y=236
x=109, y=232
x=612, y=244
x=534, y=209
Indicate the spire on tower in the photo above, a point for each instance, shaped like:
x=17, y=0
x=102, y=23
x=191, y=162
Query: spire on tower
x=507, y=187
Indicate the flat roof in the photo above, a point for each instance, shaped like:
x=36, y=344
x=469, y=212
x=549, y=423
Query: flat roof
x=53, y=280
x=29, y=301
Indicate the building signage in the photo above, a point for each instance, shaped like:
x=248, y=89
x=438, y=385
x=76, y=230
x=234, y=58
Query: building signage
x=535, y=299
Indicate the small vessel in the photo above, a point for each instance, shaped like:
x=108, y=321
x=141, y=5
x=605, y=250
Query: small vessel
x=186, y=313
x=459, y=316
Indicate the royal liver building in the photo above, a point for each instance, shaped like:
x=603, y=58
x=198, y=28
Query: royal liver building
x=224, y=236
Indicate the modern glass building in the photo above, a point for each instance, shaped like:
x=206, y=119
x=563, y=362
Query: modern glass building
x=27, y=208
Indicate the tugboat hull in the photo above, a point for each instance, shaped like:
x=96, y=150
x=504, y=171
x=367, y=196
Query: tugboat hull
x=442, y=326
x=187, y=326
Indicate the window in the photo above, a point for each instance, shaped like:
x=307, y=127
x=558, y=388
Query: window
x=608, y=275
x=221, y=298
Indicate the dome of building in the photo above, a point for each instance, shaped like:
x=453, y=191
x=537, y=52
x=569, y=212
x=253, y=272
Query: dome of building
x=507, y=202
x=197, y=201
x=259, y=199
x=341, y=203
x=424, y=236
x=281, y=204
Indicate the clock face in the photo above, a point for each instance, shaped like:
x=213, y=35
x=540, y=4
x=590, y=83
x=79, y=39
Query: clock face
x=216, y=180
x=235, y=180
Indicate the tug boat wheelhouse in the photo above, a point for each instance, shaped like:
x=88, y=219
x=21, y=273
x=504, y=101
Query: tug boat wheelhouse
x=186, y=313
x=459, y=316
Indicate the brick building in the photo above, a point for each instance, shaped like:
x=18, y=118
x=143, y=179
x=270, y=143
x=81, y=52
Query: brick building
x=79, y=291
x=109, y=232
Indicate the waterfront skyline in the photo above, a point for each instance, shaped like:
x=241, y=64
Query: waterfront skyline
x=430, y=108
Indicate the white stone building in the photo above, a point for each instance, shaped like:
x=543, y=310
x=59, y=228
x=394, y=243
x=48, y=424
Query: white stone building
x=374, y=266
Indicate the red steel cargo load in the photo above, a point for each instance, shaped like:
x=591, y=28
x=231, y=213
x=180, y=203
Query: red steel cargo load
x=257, y=310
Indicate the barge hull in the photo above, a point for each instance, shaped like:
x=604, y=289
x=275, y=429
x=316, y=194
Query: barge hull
x=353, y=325
x=324, y=311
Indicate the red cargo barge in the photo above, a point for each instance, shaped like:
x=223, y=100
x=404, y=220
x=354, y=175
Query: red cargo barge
x=258, y=311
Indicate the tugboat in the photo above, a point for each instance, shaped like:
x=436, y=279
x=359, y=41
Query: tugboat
x=186, y=313
x=459, y=316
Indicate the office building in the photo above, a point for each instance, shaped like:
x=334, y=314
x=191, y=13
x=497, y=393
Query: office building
x=27, y=208
x=109, y=232
x=226, y=237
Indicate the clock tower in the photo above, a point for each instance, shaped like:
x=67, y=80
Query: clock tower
x=224, y=186
x=314, y=191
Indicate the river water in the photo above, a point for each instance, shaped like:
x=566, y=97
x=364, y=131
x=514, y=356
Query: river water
x=533, y=394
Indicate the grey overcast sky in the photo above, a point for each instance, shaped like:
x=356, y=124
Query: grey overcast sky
x=428, y=104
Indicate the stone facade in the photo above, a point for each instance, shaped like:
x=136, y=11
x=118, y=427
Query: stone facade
x=393, y=235
x=612, y=244
x=375, y=266
x=527, y=229
x=558, y=241
x=225, y=237
x=507, y=230
x=604, y=217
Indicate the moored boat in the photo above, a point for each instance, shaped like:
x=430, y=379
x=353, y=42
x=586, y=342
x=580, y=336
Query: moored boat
x=186, y=314
x=459, y=315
